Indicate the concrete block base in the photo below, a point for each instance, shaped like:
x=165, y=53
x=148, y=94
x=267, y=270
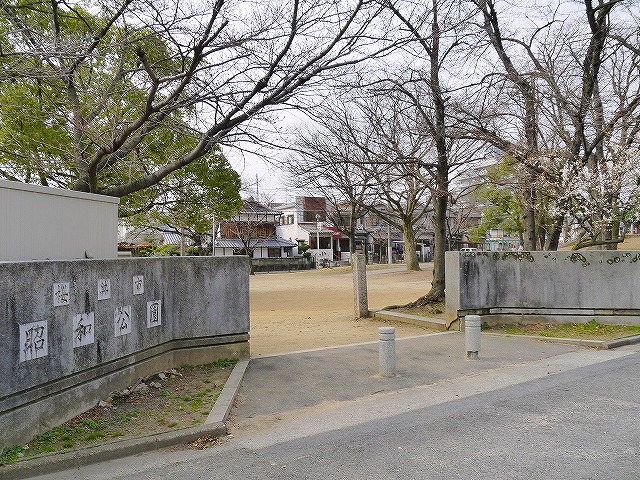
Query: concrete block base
x=36, y=410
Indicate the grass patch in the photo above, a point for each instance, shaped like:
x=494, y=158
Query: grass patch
x=591, y=330
x=222, y=363
x=11, y=454
x=180, y=398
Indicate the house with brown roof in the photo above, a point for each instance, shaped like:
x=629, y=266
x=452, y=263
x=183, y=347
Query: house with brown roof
x=252, y=232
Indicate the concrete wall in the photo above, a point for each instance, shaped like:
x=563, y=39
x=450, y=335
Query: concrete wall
x=71, y=332
x=512, y=287
x=40, y=223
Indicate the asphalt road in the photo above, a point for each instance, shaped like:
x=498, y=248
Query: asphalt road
x=570, y=423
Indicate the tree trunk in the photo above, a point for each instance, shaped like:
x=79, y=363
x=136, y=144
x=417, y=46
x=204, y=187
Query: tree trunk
x=436, y=294
x=613, y=236
x=437, y=284
x=439, y=134
x=410, y=259
x=526, y=88
x=529, y=220
x=553, y=240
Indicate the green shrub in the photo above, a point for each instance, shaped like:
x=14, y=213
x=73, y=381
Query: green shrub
x=167, y=250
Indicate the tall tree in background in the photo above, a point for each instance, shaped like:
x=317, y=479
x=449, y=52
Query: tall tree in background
x=437, y=28
x=526, y=152
x=398, y=154
x=371, y=151
x=327, y=163
x=597, y=107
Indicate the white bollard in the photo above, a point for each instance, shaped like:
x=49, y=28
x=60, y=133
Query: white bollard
x=387, y=351
x=472, y=336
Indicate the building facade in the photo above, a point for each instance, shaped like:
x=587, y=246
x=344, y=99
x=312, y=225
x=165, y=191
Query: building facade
x=252, y=232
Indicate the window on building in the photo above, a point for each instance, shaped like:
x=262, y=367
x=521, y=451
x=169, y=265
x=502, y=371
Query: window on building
x=310, y=215
x=290, y=219
x=325, y=243
x=240, y=251
x=273, y=252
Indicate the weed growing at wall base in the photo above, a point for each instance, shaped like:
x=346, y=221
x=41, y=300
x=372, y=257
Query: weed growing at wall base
x=165, y=401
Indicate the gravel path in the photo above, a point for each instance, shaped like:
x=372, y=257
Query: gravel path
x=314, y=309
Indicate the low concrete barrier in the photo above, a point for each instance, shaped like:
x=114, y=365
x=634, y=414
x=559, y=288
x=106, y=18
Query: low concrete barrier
x=71, y=332
x=281, y=264
x=532, y=287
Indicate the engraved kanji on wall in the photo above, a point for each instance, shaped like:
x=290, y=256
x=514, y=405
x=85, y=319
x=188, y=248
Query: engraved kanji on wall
x=104, y=289
x=83, y=329
x=34, y=340
x=138, y=284
x=154, y=314
x=122, y=320
x=61, y=294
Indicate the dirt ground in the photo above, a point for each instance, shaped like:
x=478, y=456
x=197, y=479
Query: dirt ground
x=313, y=309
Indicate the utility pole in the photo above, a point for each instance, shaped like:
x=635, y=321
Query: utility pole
x=318, y=227
x=257, y=193
x=213, y=237
x=389, y=247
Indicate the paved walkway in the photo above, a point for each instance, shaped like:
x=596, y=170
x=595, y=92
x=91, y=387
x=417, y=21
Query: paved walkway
x=292, y=397
x=298, y=380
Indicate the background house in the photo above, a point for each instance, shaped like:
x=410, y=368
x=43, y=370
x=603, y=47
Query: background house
x=312, y=220
x=252, y=232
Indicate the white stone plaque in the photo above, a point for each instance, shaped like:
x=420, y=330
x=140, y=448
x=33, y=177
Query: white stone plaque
x=122, y=320
x=104, y=289
x=61, y=294
x=33, y=340
x=138, y=284
x=83, y=329
x=154, y=314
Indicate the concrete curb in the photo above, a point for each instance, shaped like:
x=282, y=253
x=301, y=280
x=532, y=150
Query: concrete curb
x=597, y=344
x=434, y=323
x=621, y=342
x=347, y=345
x=222, y=407
x=214, y=426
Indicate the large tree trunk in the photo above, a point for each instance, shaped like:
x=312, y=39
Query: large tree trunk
x=436, y=294
x=438, y=132
x=410, y=259
x=440, y=247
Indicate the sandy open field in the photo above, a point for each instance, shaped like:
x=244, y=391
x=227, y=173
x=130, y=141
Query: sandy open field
x=313, y=309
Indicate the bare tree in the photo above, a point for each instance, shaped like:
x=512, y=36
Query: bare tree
x=526, y=152
x=371, y=152
x=437, y=28
x=599, y=125
x=326, y=164
x=126, y=83
x=395, y=156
